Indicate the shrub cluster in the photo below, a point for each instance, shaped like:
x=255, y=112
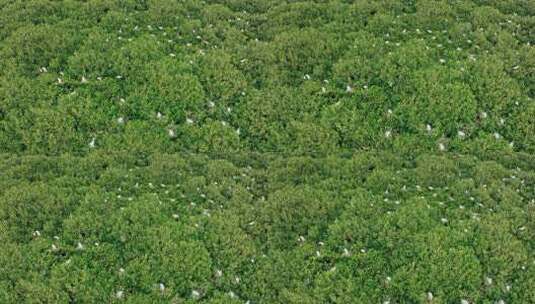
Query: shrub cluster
x=369, y=227
x=292, y=77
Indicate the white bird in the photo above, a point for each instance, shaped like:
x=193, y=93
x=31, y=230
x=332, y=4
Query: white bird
x=84, y=80
x=388, y=134
x=429, y=296
x=119, y=294
x=171, y=133
x=463, y=301
x=428, y=128
x=195, y=294
x=441, y=147
x=162, y=287
x=120, y=120
x=92, y=143
x=349, y=89
x=60, y=81
x=189, y=120
x=461, y=134
x=79, y=246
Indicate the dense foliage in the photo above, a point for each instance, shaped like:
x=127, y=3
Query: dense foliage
x=267, y=151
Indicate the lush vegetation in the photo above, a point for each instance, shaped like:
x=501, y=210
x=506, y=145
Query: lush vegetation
x=267, y=151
